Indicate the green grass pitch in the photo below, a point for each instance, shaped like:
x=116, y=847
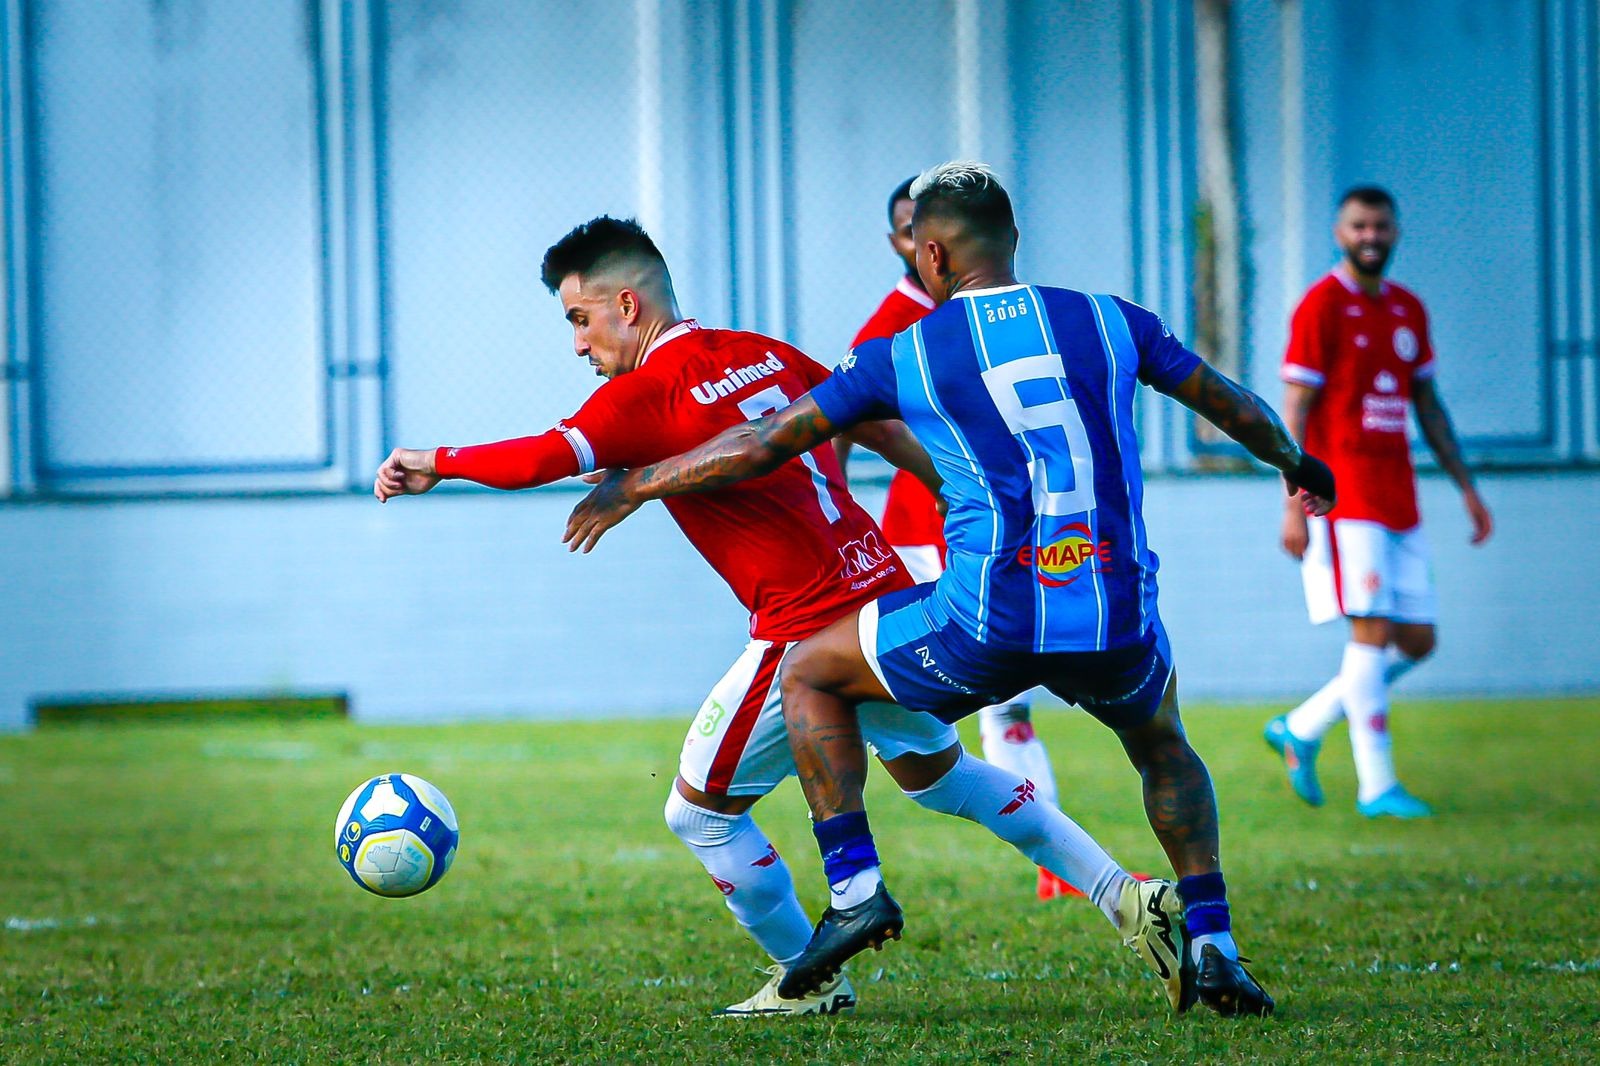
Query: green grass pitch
x=170, y=895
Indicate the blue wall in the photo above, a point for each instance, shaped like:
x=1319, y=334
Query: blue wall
x=251, y=247
x=468, y=605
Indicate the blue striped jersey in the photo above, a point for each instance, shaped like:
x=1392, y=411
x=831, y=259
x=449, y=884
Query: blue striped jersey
x=1023, y=397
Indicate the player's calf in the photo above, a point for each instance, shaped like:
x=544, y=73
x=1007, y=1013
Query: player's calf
x=747, y=870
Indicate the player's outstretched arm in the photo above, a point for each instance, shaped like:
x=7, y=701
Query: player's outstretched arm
x=747, y=450
x=1434, y=422
x=1248, y=419
x=407, y=472
x=1298, y=400
x=891, y=439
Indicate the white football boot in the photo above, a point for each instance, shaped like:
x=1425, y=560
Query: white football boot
x=835, y=997
x=1152, y=925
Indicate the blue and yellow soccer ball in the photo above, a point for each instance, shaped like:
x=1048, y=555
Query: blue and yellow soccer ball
x=396, y=835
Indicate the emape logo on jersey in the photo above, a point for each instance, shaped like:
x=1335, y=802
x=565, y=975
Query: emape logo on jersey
x=1057, y=562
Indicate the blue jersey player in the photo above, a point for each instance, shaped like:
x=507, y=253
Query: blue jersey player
x=1023, y=397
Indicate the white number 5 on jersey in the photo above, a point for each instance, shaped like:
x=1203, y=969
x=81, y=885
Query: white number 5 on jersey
x=1060, y=465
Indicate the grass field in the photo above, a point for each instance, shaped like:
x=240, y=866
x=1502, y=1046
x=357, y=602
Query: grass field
x=170, y=895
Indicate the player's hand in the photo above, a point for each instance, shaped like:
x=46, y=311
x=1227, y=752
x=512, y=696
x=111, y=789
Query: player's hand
x=607, y=504
x=407, y=472
x=1478, y=511
x=1295, y=534
x=1311, y=485
x=1312, y=504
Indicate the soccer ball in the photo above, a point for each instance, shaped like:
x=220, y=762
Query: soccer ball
x=396, y=835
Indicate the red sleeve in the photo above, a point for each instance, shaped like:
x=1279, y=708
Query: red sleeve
x=511, y=464
x=621, y=424
x=1305, y=360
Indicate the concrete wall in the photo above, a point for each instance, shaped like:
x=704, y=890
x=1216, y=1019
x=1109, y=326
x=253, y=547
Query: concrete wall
x=465, y=604
x=251, y=247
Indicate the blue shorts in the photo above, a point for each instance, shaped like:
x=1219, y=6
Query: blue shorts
x=928, y=663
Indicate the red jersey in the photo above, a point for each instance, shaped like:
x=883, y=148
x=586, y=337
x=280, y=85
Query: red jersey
x=1362, y=353
x=794, y=546
x=910, y=515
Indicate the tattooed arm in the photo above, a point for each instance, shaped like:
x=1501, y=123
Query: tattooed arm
x=1241, y=414
x=1434, y=421
x=1245, y=417
x=747, y=450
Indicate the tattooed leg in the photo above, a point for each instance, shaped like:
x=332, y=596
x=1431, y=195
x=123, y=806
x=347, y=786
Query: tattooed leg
x=1178, y=798
x=830, y=758
x=824, y=678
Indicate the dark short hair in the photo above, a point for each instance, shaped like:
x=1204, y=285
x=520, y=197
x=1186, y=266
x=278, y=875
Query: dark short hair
x=1370, y=196
x=598, y=241
x=968, y=192
x=901, y=192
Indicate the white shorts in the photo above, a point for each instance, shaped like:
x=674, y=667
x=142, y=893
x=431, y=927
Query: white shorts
x=737, y=744
x=1357, y=569
x=922, y=561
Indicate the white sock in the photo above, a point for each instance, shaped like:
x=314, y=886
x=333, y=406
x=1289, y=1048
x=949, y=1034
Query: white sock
x=1010, y=808
x=1223, y=941
x=1366, y=699
x=855, y=889
x=1322, y=711
x=753, y=879
x=1319, y=712
x=1010, y=743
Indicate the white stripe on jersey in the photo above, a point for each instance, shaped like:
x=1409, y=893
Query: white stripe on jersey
x=982, y=347
x=1301, y=375
x=580, y=445
x=1116, y=435
x=1047, y=343
x=977, y=472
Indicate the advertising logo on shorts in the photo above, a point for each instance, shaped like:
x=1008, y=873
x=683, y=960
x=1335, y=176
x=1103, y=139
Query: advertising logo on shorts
x=1060, y=561
x=1405, y=343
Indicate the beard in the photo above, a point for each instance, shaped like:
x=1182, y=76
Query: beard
x=1361, y=263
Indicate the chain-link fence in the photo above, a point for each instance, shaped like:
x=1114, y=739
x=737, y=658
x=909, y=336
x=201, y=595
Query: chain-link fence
x=254, y=245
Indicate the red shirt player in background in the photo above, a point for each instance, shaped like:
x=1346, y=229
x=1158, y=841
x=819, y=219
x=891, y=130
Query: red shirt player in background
x=796, y=550
x=915, y=528
x=1359, y=354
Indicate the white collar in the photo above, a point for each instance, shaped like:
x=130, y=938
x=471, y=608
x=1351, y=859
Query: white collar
x=1353, y=285
x=989, y=292
x=672, y=334
x=910, y=289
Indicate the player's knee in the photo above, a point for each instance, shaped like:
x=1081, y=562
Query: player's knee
x=698, y=827
x=1161, y=740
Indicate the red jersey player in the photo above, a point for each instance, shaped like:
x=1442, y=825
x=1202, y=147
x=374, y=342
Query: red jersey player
x=913, y=525
x=1359, y=355
x=798, y=552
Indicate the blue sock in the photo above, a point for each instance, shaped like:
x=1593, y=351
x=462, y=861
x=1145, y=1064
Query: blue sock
x=845, y=841
x=1205, y=904
x=1205, y=913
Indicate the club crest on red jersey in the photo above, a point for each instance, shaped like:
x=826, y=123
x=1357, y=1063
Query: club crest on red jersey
x=1405, y=343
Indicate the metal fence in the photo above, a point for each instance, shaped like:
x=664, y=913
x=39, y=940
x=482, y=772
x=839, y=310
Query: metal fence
x=251, y=246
